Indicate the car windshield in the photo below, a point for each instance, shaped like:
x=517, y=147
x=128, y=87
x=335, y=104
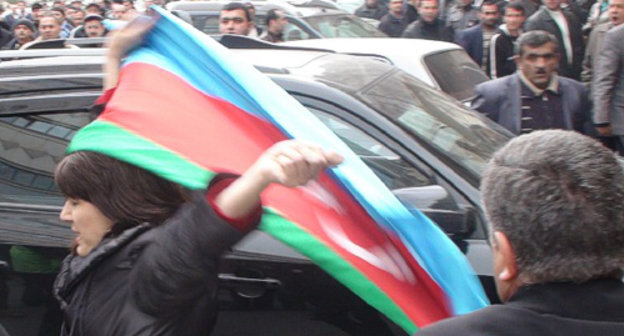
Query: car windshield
x=466, y=138
x=455, y=73
x=207, y=23
x=342, y=25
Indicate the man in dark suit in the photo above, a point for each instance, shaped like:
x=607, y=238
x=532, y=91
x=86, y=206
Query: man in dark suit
x=535, y=97
x=476, y=40
x=552, y=199
x=567, y=29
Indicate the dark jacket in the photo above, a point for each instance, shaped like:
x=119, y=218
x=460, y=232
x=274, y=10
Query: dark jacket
x=471, y=40
x=437, y=30
x=461, y=18
x=392, y=25
x=542, y=20
x=11, y=45
x=411, y=13
x=5, y=37
x=372, y=13
x=591, y=308
x=501, y=54
x=148, y=280
x=270, y=37
x=500, y=100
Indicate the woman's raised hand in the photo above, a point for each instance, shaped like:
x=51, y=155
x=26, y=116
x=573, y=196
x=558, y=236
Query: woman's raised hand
x=122, y=41
x=293, y=163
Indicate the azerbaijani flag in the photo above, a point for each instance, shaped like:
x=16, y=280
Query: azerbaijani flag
x=186, y=108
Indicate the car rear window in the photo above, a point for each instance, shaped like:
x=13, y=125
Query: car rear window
x=342, y=26
x=455, y=73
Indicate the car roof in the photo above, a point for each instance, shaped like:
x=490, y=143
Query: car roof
x=80, y=68
x=296, y=8
x=384, y=46
x=404, y=53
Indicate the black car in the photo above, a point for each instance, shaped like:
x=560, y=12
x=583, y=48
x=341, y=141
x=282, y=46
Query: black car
x=424, y=145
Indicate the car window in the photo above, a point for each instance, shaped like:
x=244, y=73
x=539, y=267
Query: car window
x=33, y=145
x=393, y=170
x=342, y=26
x=466, y=138
x=293, y=31
x=207, y=23
x=455, y=73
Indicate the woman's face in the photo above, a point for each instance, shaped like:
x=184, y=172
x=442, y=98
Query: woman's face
x=88, y=222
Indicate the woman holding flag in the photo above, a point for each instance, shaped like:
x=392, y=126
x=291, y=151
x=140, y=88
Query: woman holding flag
x=144, y=261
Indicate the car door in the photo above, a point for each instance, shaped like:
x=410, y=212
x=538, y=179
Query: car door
x=417, y=185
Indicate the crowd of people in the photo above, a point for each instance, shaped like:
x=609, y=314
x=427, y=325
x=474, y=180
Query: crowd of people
x=536, y=84
x=238, y=18
x=562, y=75
x=22, y=26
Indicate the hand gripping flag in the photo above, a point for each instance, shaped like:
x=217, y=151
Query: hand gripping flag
x=185, y=108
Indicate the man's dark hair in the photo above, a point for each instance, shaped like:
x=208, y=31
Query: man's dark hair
x=488, y=3
x=557, y=196
x=534, y=39
x=93, y=17
x=36, y=6
x=272, y=14
x=517, y=6
x=237, y=5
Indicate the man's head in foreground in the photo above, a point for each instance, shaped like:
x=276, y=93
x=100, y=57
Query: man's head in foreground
x=554, y=201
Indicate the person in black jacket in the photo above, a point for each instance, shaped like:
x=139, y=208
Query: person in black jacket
x=429, y=26
x=371, y=9
x=557, y=235
x=502, y=60
x=144, y=258
x=393, y=23
x=5, y=37
x=563, y=25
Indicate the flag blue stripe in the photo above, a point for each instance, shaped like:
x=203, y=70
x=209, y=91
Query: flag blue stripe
x=209, y=67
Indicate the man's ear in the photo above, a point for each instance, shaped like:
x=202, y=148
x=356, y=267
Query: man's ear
x=516, y=59
x=508, y=266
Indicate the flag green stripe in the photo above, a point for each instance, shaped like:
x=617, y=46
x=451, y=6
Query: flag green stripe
x=108, y=138
x=334, y=264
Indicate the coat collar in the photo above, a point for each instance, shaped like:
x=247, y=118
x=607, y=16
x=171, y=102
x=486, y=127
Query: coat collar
x=75, y=268
x=597, y=300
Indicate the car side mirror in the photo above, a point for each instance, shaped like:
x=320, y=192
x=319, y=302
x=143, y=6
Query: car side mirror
x=435, y=202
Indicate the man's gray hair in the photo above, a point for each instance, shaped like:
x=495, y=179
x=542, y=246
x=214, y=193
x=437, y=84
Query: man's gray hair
x=559, y=198
x=535, y=39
